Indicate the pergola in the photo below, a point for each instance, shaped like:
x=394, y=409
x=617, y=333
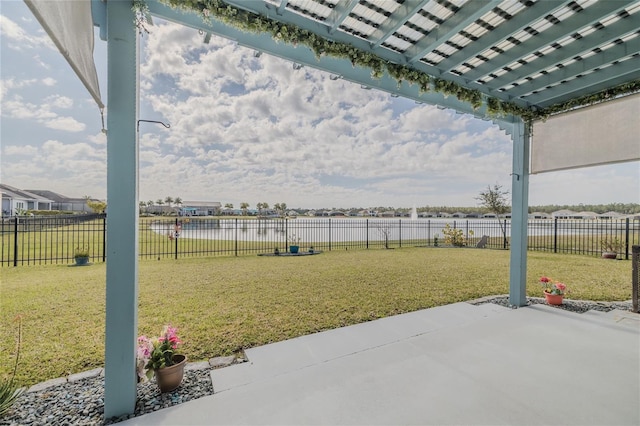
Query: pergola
x=514, y=62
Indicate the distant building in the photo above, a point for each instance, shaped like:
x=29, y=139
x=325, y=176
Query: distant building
x=64, y=203
x=16, y=201
x=200, y=208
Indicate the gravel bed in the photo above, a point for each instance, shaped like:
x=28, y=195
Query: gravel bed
x=82, y=402
x=578, y=306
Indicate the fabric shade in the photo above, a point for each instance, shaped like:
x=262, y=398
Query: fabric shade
x=69, y=23
x=601, y=134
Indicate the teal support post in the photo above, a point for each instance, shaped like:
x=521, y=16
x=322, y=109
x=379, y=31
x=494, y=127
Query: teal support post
x=519, y=214
x=122, y=211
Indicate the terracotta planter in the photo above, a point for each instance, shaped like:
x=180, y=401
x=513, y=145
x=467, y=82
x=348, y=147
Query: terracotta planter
x=609, y=255
x=169, y=378
x=553, y=299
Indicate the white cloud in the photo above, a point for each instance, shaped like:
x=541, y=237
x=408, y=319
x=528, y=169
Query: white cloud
x=18, y=38
x=68, y=124
x=246, y=129
x=57, y=101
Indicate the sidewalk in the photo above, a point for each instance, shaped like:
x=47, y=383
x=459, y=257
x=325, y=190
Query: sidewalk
x=454, y=364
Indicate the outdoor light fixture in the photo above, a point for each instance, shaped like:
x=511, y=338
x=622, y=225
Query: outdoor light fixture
x=166, y=125
x=297, y=66
x=393, y=95
x=334, y=77
x=362, y=86
x=257, y=54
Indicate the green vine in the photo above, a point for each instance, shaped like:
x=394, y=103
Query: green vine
x=289, y=33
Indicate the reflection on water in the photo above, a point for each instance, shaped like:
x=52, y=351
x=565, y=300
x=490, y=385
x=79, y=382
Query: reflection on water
x=318, y=230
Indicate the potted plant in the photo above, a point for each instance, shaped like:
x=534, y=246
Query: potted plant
x=554, y=291
x=158, y=356
x=311, y=249
x=276, y=251
x=81, y=255
x=610, y=247
x=294, y=243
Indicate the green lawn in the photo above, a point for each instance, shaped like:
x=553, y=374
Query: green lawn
x=221, y=305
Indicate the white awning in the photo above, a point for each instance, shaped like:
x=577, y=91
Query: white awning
x=70, y=25
x=601, y=134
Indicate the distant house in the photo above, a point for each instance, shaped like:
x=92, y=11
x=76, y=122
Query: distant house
x=610, y=215
x=64, y=203
x=15, y=201
x=569, y=214
x=539, y=215
x=459, y=215
x=199, y=208
x=387, y=213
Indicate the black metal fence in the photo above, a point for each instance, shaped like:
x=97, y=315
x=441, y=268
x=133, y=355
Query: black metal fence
x=43, y=240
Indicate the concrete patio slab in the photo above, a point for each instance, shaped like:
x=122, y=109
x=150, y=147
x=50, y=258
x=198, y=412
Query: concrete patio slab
x=456, y=364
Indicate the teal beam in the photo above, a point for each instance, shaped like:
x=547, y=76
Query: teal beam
x=573, y=23
x=467, y=15
x=519, y=22
x=611, y=76
x=519, y=214
x=399, y=17
x=577, y=48
x=122, y=215
x=340, y=12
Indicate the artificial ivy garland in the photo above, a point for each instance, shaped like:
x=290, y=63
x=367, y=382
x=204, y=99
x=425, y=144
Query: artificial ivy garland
x=289, y=33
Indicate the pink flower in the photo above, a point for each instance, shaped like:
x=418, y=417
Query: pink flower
x=561, y=286
x=544, y=279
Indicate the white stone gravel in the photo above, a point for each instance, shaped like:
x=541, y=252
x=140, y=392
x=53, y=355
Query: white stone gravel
x=79, y=399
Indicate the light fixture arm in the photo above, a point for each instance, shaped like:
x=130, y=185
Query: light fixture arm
x=166, y=125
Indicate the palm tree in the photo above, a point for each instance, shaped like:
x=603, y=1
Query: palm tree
x=178, y=201
x=228, y=206
x=168, y=200
x=244, y=207
x=150, y=203
x=142, y=205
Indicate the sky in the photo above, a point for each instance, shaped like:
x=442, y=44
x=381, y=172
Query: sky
x=247, y=129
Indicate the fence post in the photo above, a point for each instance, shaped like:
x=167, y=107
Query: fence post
x=104, y=238
x=555, y=235
x=329, y=234
x=175, y=232
x=635, y=276
x=367, y=233
x=626, y=238
x=236, y=247
x=286, y=235
x=15, y=242
x=400, y=232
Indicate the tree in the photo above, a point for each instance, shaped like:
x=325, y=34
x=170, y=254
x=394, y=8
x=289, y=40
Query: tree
x=280, y=208
x=244, y=207
x=178, y=201
x=168, y=200
x=150, y=203
x=228, y=206
x=97, y=206
x=142, y=205
x=495, y=200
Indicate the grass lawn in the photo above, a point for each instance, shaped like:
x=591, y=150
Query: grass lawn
x=221, y=305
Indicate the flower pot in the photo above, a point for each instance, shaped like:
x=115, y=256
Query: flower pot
x=609, y=255
x=553, y=299
x=83, y=260
x=294, y=249
x=169, y=378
